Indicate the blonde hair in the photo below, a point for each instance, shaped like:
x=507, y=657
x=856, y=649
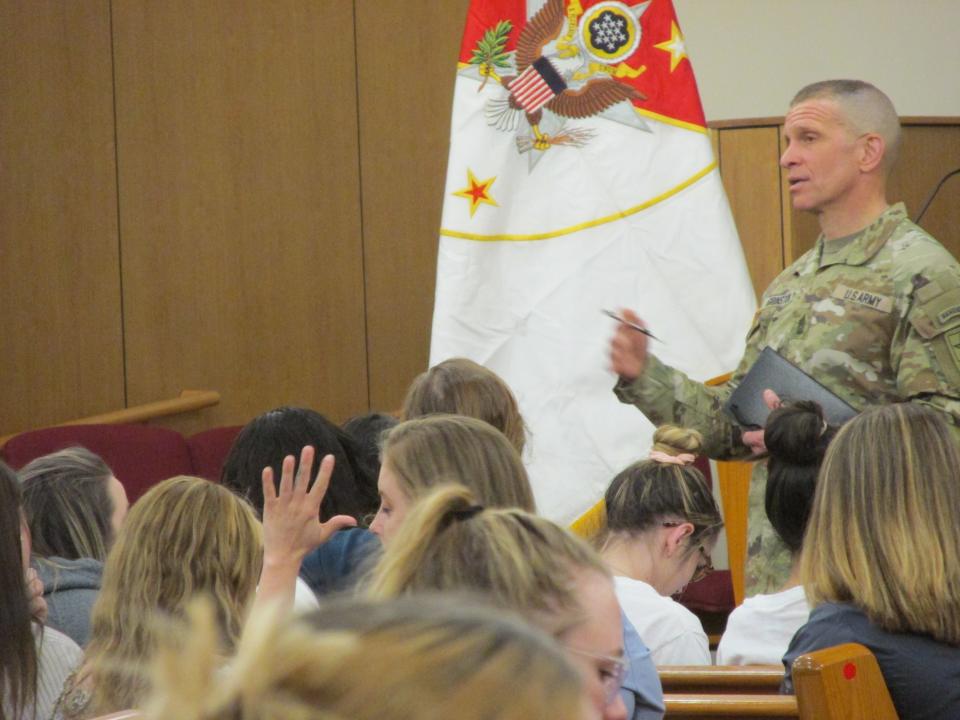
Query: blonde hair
x=866, y=107
x=648, y=492
x=884, y=532
x=452, y=448
x=185, y=537
x=419, y=659
x=515, y=559
x=460, y=386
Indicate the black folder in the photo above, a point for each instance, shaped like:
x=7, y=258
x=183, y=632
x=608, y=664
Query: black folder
x=772, y=371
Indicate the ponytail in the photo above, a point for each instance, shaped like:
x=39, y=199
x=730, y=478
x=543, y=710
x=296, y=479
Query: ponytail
x=429, y=518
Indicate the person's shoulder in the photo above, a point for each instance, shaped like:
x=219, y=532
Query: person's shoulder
x=54, y=646
x=59, y=574
x=840, y=620
x=913, y=250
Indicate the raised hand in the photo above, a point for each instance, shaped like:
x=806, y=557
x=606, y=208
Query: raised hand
x=291, y=514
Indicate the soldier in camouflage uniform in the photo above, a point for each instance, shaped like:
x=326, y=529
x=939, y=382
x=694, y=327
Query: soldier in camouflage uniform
x=872, y=311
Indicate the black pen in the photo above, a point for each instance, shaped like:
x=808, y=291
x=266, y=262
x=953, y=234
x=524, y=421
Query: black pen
x=610, y=313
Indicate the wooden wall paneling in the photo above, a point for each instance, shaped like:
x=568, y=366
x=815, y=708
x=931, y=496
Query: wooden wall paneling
x=927, y=154
x=239, y=205
x=752, y=181
x=59, y=272
x=406, y=60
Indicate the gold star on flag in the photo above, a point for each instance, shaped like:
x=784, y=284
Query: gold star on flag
x=675, y=46
x=477, y=192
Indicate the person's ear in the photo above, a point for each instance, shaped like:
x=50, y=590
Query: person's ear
x=675, y=539
x=872, y=152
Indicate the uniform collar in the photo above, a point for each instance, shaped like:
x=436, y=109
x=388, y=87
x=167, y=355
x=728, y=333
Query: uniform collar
x=863, y=245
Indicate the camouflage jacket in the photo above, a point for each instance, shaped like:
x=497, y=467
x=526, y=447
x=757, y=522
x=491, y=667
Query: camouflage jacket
x=875, y=318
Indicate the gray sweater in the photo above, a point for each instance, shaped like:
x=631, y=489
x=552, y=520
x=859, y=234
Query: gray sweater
x=70, y=587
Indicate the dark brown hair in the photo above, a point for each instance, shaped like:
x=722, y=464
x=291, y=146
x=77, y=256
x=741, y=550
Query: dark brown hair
x=797, y=436
x=18, y=652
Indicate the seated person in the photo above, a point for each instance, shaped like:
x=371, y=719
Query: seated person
x=267, y=439
x=881, y=557
x=74, y=507
x=759, y=631
x=459, y=386
x=187, y=537
x=368, y=431
x=520, y=562
x=34, y=661
x=662, y=525
x=426, y=657
x=418, y=455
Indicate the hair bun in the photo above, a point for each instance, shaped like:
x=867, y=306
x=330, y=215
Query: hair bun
x=674, y=440
x=797, y=433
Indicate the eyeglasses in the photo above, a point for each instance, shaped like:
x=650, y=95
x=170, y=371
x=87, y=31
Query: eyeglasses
x=705, y=565
x=611, y=673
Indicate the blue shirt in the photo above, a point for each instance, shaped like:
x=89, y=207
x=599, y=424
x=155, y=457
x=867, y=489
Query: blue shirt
x=641, y=690
x=922, y=674
x=339, y=563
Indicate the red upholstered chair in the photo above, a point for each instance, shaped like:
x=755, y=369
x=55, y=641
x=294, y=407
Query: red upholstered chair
x=139, y=455
x=208, y=450
x=713, y=594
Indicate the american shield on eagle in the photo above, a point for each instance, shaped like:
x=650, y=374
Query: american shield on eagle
x=568, y=65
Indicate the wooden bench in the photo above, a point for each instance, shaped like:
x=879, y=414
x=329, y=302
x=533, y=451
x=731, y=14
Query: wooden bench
x=838, y=683
x=721, y=679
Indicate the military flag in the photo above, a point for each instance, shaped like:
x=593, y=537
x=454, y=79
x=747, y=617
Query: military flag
x=581, y=178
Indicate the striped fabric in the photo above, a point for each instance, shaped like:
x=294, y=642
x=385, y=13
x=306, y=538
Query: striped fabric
x=537, y=85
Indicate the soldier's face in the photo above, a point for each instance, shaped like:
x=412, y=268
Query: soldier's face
x=822, y=158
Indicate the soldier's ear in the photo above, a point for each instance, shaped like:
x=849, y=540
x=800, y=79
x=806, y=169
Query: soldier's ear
x=872, y=151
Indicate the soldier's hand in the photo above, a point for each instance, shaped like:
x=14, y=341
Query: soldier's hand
x=754, y=439
x=628, y=348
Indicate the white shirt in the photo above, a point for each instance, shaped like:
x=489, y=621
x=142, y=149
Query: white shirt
x=304, y=599
x=673, y=633
x=759, y=631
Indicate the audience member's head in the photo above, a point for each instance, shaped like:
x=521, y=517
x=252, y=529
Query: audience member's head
x=797, y=437
x=662, y=512
x=884, y=532
x=423, y=453
x=368, y=431
x=186, y=536
x=268, y=439
x=74, y=504
x=18, y=653
x=462, y=387
x=411, y=659
x=519, y=562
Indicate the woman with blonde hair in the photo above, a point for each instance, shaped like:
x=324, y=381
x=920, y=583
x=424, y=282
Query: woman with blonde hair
x=520, y=562
x=416, y=659
x=419, y=454
x=662, y=524
x=881, y=556
x=187, y=537
x=459, y=386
